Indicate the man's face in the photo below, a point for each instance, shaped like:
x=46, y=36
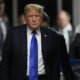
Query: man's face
x=63, y=20
x=33, y=19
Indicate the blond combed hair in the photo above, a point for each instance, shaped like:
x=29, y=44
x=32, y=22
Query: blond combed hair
x=36, y=7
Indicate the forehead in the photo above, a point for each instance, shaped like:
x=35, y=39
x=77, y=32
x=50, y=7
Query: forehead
x=33, y=12
x=63, y=15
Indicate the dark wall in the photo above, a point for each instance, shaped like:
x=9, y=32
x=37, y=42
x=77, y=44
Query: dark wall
x=9, y=10
x=67, y=5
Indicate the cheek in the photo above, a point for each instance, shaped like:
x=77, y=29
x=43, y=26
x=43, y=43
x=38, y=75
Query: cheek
x=39, y=21
x=28, y=20
x=64, y=22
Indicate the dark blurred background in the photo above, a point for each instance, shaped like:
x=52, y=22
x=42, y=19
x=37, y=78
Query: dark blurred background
x=51, y=7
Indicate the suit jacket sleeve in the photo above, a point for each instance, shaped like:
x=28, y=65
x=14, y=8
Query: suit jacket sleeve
x=6, y=58
x=64, y=60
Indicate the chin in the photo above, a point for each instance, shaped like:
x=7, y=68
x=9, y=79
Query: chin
x=35, y=27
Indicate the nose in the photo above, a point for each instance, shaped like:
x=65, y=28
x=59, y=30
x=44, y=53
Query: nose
x=34, y=19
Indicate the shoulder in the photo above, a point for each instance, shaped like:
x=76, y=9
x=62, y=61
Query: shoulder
x=48, y=30
x=16, y=28
x=52, y=32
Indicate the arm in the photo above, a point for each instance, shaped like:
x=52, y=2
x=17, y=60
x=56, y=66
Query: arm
x=6, y=57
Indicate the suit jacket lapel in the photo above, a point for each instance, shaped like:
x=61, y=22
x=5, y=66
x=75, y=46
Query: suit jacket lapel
x=24, y=47
x=44, y=45
x=71, y=36
x=69, y=33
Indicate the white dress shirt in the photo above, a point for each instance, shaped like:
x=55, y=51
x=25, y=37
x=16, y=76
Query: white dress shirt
x=4, y=31
x=3, y=27
x=65, y=33
x=41, y=69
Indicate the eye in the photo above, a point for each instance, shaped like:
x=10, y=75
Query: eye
x=30, y=16
x=37, y=15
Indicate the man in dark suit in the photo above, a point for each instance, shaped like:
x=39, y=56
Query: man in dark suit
x=65, y=28
x=32, y=52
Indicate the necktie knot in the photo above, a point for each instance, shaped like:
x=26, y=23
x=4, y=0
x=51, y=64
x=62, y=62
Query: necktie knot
x=34, y=32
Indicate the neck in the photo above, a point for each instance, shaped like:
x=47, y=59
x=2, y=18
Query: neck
x=33, y=28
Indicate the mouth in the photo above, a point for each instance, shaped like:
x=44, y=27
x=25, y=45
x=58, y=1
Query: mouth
x=34, y=24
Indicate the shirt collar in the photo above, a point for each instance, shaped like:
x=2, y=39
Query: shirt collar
x=30, y=31
x=68, y=27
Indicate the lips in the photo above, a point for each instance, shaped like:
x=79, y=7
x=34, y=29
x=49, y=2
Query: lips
x=34, y=24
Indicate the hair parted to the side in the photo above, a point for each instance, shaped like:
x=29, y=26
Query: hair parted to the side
x=36, y=7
